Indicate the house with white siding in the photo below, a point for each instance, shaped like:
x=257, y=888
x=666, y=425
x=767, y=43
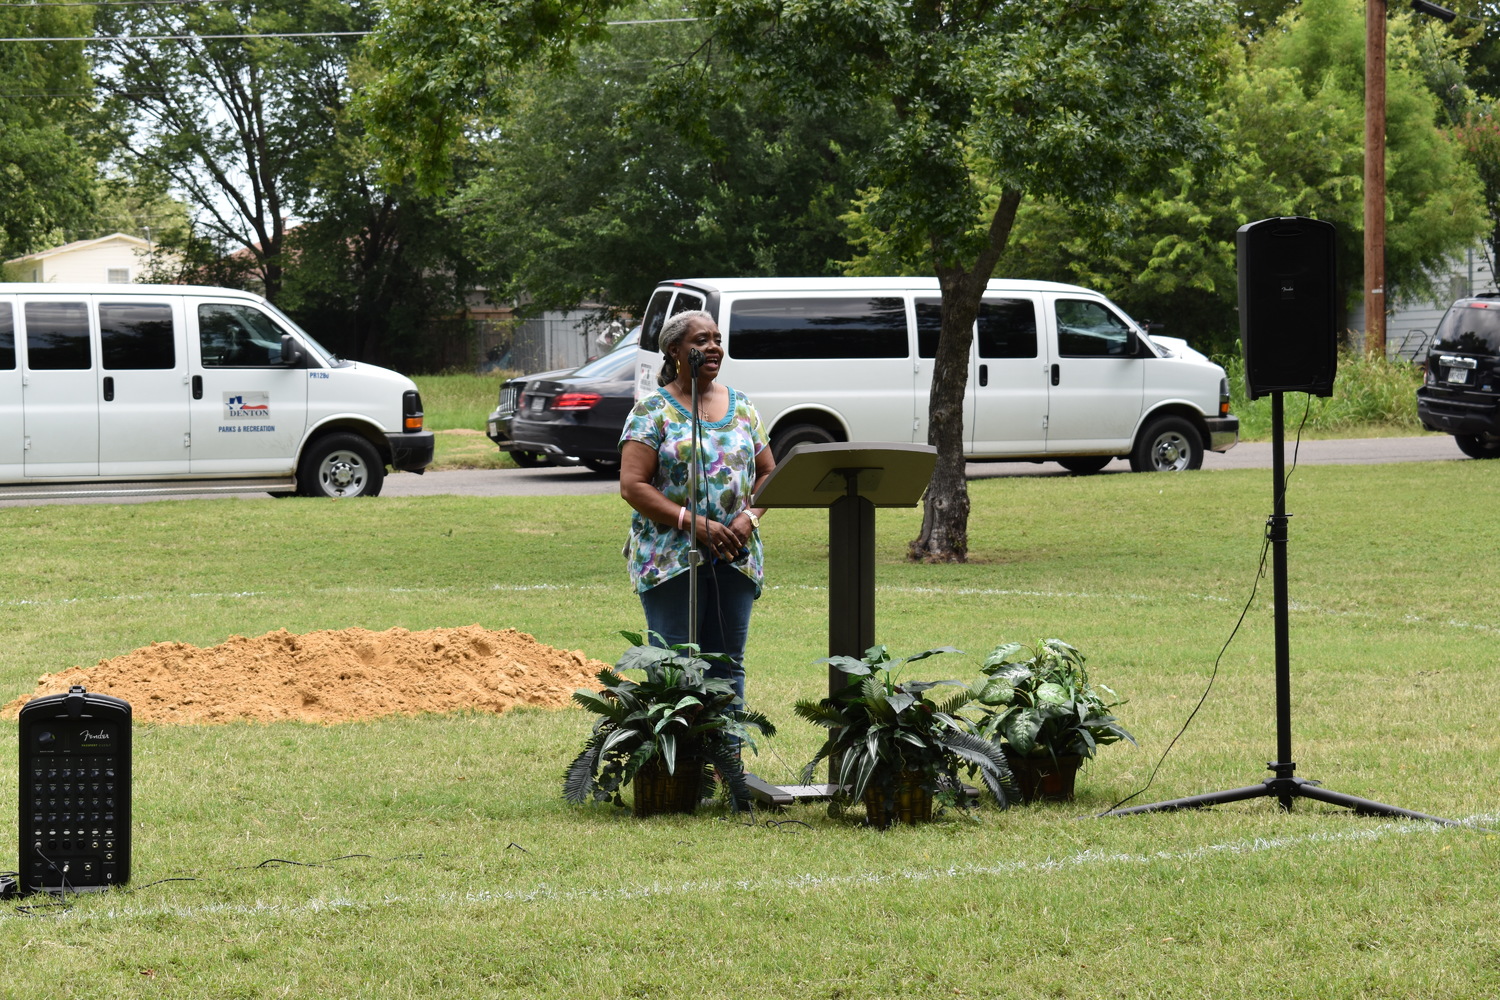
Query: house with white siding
x=113, y=259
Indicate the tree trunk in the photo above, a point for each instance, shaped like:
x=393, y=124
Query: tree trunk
x=945, y=510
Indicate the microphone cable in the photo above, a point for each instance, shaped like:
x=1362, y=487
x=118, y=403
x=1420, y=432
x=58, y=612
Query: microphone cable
x=1260, y=573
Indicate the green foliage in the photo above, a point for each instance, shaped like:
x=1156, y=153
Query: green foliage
x=258, y=130
x=606, y=176
x=1369, y=393
x=1042, y=704
x=47, y=157
x=443, y=68
x=677, y=713
x=883, y=732
x=1478, y=136
x=1291, y=115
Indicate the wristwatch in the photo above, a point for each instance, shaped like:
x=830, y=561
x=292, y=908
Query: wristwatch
x=754, y=521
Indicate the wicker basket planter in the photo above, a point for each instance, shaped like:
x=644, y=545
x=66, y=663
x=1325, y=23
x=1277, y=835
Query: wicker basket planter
x=658, y=793
x=1042, y=778
x=911, y=804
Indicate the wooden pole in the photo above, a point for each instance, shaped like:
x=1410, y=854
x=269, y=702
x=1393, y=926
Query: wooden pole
x=1375, y=303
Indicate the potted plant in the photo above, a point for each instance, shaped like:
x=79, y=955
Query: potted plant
x=895, y=749
x=1038, y=704
x=668, y=734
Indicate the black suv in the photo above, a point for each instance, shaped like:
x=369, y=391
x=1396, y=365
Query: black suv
x=1462, y=391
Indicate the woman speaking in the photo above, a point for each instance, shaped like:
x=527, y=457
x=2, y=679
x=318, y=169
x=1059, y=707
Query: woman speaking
x=656, y=450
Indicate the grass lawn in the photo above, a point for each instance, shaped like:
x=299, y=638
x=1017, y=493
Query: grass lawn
x=434, y=857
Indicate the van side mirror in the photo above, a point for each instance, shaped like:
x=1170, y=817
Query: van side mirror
x=291, y=351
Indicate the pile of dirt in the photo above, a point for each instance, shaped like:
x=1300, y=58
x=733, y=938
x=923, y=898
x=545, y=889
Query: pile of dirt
x=333, y=676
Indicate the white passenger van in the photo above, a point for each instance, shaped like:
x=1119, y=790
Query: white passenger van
x=145, y=389
x=1056, y=372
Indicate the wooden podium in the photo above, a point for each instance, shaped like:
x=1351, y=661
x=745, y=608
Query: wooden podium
x=851, y=480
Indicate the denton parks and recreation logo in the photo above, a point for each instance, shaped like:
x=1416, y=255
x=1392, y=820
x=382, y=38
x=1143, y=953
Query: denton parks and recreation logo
x=247, y=406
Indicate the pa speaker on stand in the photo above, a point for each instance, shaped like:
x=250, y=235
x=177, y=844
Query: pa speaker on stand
x=1288, y=305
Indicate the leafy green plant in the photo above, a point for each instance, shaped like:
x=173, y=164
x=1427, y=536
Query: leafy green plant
x=1041, y=704
x=677, y=713
x=884, y=732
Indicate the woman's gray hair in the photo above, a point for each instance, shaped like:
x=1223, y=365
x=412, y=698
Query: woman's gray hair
x=672, y=333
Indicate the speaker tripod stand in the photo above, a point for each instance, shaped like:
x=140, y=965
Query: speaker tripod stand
x=1283, y=785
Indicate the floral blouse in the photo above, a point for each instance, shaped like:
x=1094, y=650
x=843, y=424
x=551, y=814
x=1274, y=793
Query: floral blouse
x=655, y=553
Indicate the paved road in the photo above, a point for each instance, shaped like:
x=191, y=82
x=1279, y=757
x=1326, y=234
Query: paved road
x=579, y=481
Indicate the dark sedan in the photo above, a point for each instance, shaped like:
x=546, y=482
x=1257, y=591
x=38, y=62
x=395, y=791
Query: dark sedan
x=498, y=425
x=577, y=417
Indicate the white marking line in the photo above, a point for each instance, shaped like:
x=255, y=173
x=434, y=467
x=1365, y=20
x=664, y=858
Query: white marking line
x=546, y=894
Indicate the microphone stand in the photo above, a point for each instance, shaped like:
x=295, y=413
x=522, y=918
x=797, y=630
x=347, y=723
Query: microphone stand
x=695, y=555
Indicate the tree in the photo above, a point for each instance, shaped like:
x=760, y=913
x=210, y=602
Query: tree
x=46, y=164
x=257, y=132
x=603, y=178
x=445, y=66
x=234, y=122
x=991, y=104
x=1291, y=114
x=988, y=104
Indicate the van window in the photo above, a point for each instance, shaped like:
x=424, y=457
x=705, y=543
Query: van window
x=236, y=336
x=1086, y=329
x=1006, y=328
x=137, y=336
x=656, y=314
x=929, y=326
x=806, y=329
x=57, y=336
x=7, y=337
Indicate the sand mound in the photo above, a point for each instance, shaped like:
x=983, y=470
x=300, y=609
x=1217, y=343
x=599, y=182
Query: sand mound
x=332, y=676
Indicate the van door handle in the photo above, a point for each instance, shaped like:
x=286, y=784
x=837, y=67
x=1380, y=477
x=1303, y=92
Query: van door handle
x=109, y=388
x=197, y=386
x=1054, y=374
x=984, y=375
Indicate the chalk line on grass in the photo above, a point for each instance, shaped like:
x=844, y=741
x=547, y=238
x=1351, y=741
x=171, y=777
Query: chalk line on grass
x=808, y=881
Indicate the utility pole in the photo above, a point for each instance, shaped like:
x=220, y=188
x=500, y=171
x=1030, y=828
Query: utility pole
x=1375, y=14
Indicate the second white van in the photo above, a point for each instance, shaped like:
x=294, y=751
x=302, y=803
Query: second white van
x=1056, y=372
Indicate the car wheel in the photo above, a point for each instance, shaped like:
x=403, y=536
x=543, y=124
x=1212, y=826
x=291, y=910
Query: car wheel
x=340, y=466
x=528, y=459
x=785, y=439
x=1478, y=445
x=1168, y=444
x=604, y=466
x=1085, y=465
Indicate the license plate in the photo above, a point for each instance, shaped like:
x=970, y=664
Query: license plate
x=537, y=402
x=1458, y=376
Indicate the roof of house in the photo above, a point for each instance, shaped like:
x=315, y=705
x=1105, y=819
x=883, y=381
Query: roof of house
x=81, y=245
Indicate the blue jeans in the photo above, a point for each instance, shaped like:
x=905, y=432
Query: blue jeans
x=725, y=596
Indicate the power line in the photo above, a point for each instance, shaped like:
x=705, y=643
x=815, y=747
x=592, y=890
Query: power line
x=286, y=34
x=197, y=38
x=120, y=3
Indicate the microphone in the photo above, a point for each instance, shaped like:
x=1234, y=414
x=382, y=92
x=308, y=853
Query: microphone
x=695, y=359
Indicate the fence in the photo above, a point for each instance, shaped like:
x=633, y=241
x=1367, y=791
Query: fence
x=543, y=343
